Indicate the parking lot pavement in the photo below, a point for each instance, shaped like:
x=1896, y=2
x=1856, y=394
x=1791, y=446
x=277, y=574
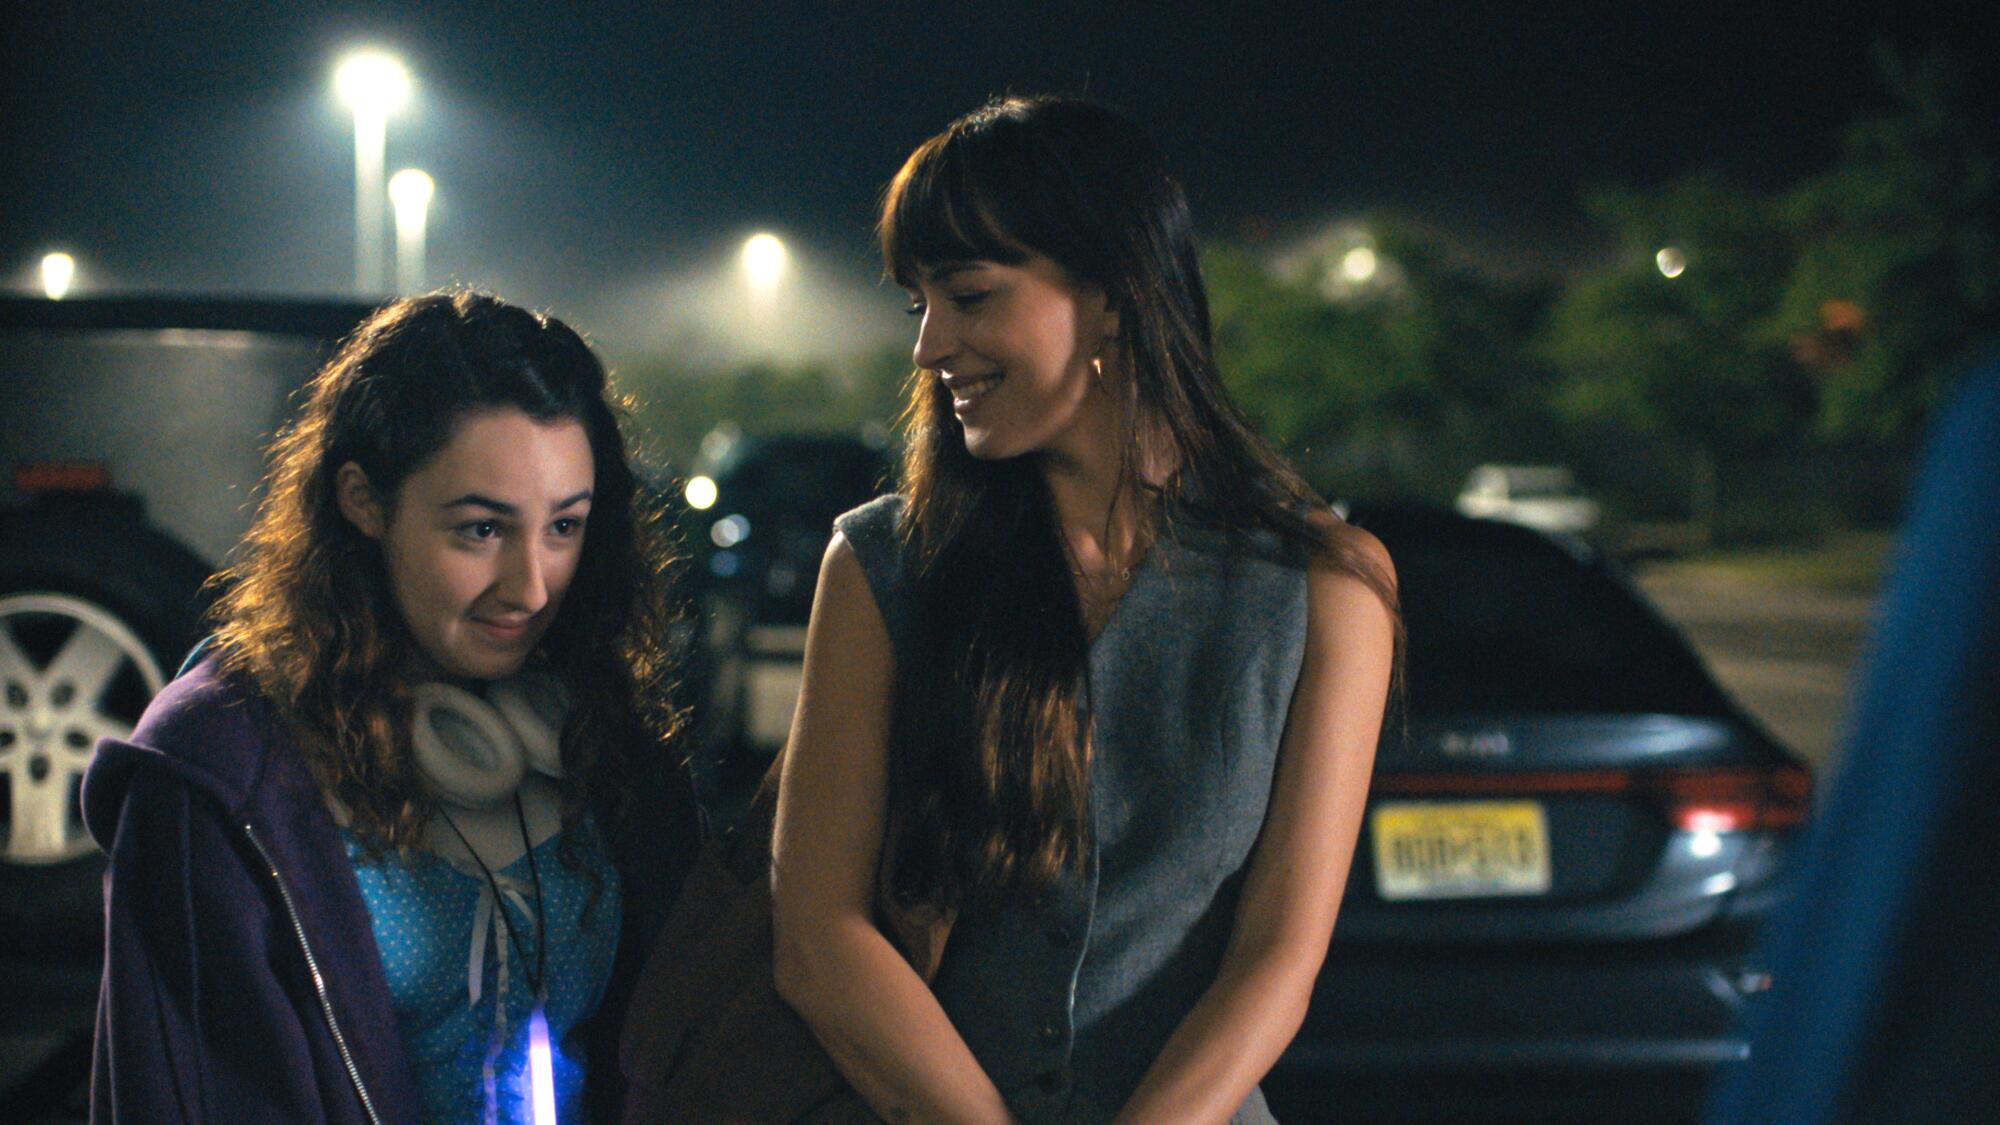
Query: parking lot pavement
x=1788, y=654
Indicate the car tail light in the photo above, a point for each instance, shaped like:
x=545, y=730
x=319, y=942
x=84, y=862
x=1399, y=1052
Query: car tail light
x=1736, y=799
x=1719, y=799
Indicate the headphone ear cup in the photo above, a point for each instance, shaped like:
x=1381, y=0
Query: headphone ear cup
x=535, y=705
x=463, y=747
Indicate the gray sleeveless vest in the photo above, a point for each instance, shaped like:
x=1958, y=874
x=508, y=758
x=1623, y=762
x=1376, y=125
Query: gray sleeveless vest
x=1066, y=1000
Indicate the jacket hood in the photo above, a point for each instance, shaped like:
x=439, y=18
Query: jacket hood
x=204, y=728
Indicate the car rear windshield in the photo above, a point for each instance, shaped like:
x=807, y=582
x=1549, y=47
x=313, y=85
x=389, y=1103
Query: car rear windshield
x=1516, y=624
x=807, y=484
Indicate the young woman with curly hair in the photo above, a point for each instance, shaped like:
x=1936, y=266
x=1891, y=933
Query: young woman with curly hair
x=1099, y=688
x=374, y=854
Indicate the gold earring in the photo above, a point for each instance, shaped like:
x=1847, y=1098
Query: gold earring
x=1097, y=369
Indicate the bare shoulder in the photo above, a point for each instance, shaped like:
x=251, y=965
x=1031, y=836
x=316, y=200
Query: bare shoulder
x=840, y=568
x=1356, y=558
x=843, y=604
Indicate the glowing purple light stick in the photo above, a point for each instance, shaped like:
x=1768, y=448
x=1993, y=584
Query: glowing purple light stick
x=541, y=1070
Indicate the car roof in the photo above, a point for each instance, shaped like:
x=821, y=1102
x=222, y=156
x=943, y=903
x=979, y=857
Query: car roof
x=1434, y=523
x=317, y=319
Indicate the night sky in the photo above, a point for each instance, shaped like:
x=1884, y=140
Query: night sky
x=607, y=162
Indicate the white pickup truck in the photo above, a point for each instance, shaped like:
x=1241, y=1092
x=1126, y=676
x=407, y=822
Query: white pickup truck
x=132, y=434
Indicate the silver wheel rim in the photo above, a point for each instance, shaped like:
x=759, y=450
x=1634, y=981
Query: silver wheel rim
x=53, y=711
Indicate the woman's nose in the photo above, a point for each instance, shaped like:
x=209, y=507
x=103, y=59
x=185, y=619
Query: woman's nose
x=523, y=585
x=936, y=340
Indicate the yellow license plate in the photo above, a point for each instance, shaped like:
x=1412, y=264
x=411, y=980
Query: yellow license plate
x=1459, y=849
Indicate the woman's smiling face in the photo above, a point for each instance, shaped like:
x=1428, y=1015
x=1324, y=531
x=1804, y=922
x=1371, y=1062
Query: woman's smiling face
x=483, y=538
x=1014, y=345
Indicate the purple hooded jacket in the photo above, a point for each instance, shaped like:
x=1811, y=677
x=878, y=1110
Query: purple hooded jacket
x=241, y=977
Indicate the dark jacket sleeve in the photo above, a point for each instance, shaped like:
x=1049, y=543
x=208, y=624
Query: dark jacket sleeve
x=655, y=844
x=196, y=1020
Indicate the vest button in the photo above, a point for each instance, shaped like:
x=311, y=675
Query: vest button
x=1051, y=1030
x=1061, y=937
x=1052, y=1081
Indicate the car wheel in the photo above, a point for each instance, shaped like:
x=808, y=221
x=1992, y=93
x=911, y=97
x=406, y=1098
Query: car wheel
x=71, y=672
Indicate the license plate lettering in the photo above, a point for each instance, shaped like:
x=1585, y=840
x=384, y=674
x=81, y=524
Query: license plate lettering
x=1467, y=849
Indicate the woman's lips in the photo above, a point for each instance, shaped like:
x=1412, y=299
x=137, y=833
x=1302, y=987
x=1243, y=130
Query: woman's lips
x=503, y=632
x=967, y=392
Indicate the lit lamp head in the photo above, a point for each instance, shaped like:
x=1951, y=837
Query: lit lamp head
x=764, y=261
x=58, y=274
x=372, y=83
x=410, y=192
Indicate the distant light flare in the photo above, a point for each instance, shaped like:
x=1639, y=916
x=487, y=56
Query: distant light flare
x=728, y=531
x=701, y=493
x=1671, y=261
x=58, y=274
x=764, y=261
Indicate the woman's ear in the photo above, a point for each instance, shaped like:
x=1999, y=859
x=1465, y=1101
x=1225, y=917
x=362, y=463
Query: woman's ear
x=358, y=501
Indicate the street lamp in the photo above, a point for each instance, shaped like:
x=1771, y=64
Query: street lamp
x=1359, y=265
x=373, y=85
x=410, y=194
x=58, y=272
x=764, y=261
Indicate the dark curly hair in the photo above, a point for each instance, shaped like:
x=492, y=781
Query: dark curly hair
x=305, y=611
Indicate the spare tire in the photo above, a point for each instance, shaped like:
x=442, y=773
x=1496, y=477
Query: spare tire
x=95, y=611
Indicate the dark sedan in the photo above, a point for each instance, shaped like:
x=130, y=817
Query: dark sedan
x=759, y=511
x=1568, y=844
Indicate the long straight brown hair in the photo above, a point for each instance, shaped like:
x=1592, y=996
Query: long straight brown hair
x=989, y=764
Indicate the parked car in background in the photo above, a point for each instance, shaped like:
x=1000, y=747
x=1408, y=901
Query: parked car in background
x=759, y=511
x=1569, y=843
x=132, y=440
x=1544, y=497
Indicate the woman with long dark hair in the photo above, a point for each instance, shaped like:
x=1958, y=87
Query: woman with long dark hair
x=1098, y=690
x=372, y=854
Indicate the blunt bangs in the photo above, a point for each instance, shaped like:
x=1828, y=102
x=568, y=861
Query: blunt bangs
x=935, y=212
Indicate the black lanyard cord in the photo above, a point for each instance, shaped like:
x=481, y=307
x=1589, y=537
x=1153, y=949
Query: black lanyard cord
x=538, y=976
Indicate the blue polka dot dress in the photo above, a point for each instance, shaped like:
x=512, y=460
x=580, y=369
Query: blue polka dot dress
x=460, y=990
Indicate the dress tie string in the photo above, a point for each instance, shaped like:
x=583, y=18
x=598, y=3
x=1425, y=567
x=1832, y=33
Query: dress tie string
x=486, y=919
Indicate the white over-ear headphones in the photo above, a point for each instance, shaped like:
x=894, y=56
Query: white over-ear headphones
x=475, y=751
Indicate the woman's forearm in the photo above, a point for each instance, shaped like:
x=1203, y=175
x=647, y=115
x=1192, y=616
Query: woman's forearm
x=883, y=1028
x=1231, y=1039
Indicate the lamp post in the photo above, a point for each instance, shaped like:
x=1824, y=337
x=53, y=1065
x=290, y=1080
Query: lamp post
x=373, y=85
x=410, y=194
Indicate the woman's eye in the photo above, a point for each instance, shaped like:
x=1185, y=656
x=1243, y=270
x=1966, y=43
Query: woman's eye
x=969, y=298
x=480, y=529
x=568, y=526
x=915, y=307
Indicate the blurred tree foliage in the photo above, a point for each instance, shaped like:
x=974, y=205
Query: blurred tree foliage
x=1810, y=333
x=1896, y=264
x=1393, y=386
